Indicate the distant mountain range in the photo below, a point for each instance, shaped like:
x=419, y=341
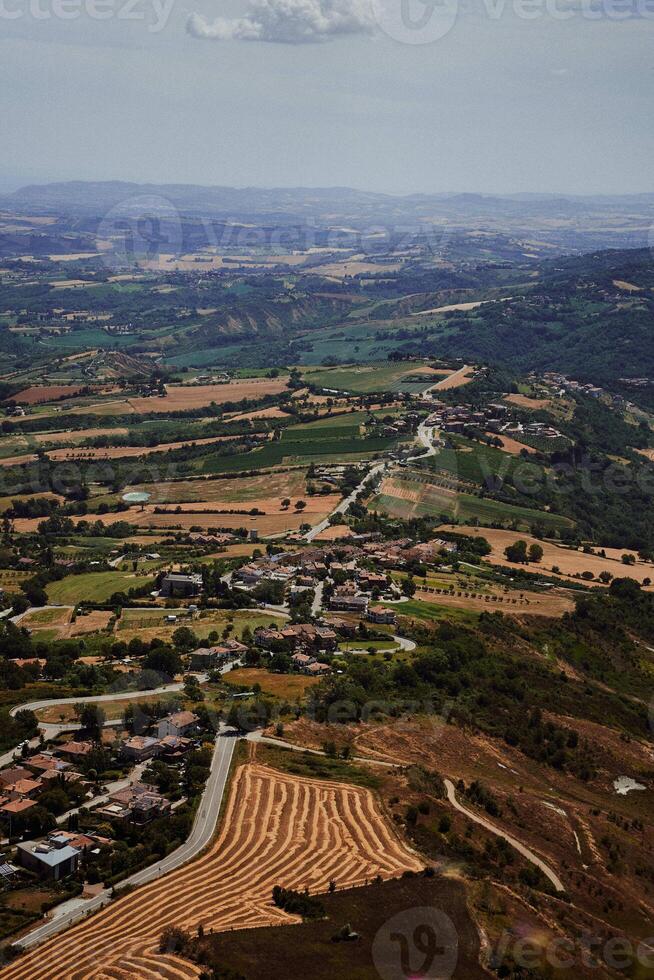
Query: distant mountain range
x=567, y=220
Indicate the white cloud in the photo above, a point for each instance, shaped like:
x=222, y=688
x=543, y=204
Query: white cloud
x=288, y=21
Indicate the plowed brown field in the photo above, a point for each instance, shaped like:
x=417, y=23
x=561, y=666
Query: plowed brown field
x=277, y=829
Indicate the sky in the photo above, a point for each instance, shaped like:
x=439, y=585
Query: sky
x=398, y=96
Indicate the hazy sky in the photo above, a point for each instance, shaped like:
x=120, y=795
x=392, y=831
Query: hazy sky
x=331, y=92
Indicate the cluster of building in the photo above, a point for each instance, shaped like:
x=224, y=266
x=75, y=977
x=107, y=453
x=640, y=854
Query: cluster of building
x=463, y=418
x=356, y=574
x=210, y=658
x=138, y=803
x=58, y=855
x=539, y=430
x=563, y=385
x=560, y=385
x=173, y=740
x=22, y=785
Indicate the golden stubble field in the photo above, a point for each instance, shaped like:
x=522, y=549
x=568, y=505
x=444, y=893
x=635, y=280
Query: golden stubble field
x=569, y=561
x=277, y=829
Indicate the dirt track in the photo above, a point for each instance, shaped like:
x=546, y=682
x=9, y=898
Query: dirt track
x=278, y=829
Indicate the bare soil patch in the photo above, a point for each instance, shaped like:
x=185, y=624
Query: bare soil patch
x=37, y=394
x=512, y=446
x=524, y=401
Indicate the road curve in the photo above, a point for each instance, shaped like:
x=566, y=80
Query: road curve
x=425, y=436
x=204, y=827
x=525, y=851
x=51, y=729
x=377, y=467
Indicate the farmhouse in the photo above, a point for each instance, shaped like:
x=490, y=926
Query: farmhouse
x=138, y=802
x=206, y=658
x=44, y=762
x=139, y=747
x=379, y=614
x=178, y=724
x=75, y=750
x=173, y=748
x=13, y=775
x=346, y=601
x=178, y=585
x=299, y=635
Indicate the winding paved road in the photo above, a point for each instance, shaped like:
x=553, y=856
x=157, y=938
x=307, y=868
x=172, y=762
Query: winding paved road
x=525, y=851
x=377, y=467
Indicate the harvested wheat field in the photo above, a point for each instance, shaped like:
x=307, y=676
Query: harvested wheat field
x=114, y=452
x=524, y=401
x=97, y=619
x=181, y=398
x=239, y=491
x=274, y=522
x=511, y=602
x=335, y=532
x=456, y=379
x=277, y=829
x=37, y=394
x=510, y=445
x=569, y=562
x=77, y=435
x=263, y=413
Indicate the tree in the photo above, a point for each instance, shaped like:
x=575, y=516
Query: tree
x=92, y=718
x=286, y=503
x=408, y=587
x=517, y=552
x=163, y=661
x=300, y=505
x=184, y=638
x=173, y=940
x=535, y=553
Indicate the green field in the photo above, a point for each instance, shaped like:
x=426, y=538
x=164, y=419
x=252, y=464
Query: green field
x=301, y=445
x=480, y=464
x=432, y=612
x=94, y=586
x=369, y=378
x=463, y=507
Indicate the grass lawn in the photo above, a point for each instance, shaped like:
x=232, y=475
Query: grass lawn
x=94, y=586
x=316, y=766
x=433, y=612
x=364, y=644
